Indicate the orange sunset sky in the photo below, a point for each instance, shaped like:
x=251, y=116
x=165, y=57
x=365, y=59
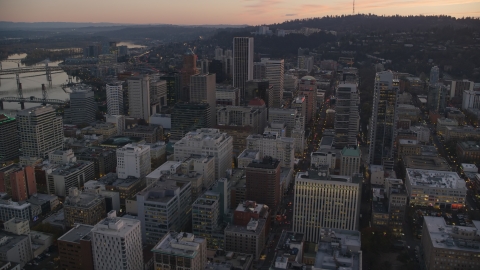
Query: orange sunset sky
x=188, y=12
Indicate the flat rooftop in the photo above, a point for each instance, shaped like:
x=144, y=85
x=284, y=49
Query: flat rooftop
x=117, y=226
x=119, y=141
x=330, y=253
x=431, y=178
x=426, y=163
x=243, y=229
x=80, y=231
x=69, y=168
x=251, y=206
x=470, y=145
x=249, y=153
x=161, y=191
x=221, y=260
x=111, y=179
x=9, y=240
x=179, y=244
x=460, y=238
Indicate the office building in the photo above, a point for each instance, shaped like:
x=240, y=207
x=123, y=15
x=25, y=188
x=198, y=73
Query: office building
x=173, y=80
x=189, y=68
x=339, y=249
x=133, y=160
x=449, y=246
x=308, y=87
x=117, y=244
x=440, y=189
x=443, y=123
x=203, y=90
x=83, y=208
x=180, y=251
x=437, y=97
x=15, y=248
x=65, y=176
x=397, y=205
x=271, y=144
x=325, y=201
x=139, y=97
x=263, y=175
x=249, y=239
x=274, y=71
x=261, y=89
x=83, y=108
x=162, y=207
x=40, y=131
x=10, y=209
x=18, y=181
x=471, y=100
x=305, y=62
x=207, y=142
x=151, y=134
x=206, y=219
x=288, y=116
x=350, y=160
x=127, y=188
x=75, y=248
x=383, y=121
x=17, y=226
x=188, y=117
x=115, y=98
x=434, y=75
x=229, y=260
x=227, y=95
x=104, y=159
x=202, y=164
x=158, y=95
x=9, y=139
x=347, y=117
x=321, y=158
x=242, y=63
x=457, y=88
x=118, y=121
x=426, y=163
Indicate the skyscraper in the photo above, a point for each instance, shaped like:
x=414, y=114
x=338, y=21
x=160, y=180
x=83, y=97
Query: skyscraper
x=274, y=71
x=114, y=98
x=173, y=87
x=242, y=63
x=188, y=117
x=202, y=90
x=158, y=95
x=82, y=106
x=18, y=182
x=9, y=142
x=434, y=75
x=189, y=68
x=40, y=131
x=383, y=122
x=139, y=97
x=308, y=88
x=346, y=115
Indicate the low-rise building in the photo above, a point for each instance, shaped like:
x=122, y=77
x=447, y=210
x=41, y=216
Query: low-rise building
x=15, y=248
x=450, y=246
x=408, y=148
x=468, y=151
x=248, y=239
x=68, y=175
x=180, y=251
x=104, y=159
x=126, y=187
x=101, y=128
x=41, y=241
x=332, y=250
x=443, y=123
x=83, y=208
x=461, y=133
x=17, y=226
x=246, y=157
x=151, y=134
x=439, y=189
x=10, y=209
x=75, y=248
x=426, y=163
x=226, y=260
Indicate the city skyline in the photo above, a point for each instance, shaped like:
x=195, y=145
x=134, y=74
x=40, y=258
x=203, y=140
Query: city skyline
x=251, y=12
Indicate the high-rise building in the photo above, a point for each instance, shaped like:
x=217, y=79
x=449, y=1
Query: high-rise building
x=82, y=106
x=16, y=248
x=189, y=69
x=180, y=251
x=384, y=119
x=158, y=95
x=434, y=75
x=118, y=121
x=325, y=201
x=263, y=175
x=173, y=87
x=350, y=160
x=115, y=98
x=9, y=142
x=271, y=144
x=203, y=90
x=274, y=72
x=437, y=96
x=305, y=62
x=188, y=117
x=261, y=89
x=447, y=246
x=207, y=141
x=133, y=160
x=163, y=207
x=18, y=181
x=308, y=87
x=83, y=208
x=65, y=176
x=287, y=116
x=117, y=244
x=139, y=97
x=242, y=63
x=75, y=248
x=206, y=219
x=248, y=238
x=218, y=53
x=347, y=117
x=40, y=131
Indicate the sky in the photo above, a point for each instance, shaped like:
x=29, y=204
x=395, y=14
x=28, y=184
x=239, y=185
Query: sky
x=196, y=12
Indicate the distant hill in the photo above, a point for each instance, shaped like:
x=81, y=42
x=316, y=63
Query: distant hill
x=370, y=22
x=49, y=25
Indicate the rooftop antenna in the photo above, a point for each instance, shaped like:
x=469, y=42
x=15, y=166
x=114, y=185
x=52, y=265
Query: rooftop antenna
x=353, y=7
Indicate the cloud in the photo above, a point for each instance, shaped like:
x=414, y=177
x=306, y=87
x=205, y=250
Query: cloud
x=291, y=14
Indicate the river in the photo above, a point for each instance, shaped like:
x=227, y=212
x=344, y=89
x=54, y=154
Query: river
x=32, y=82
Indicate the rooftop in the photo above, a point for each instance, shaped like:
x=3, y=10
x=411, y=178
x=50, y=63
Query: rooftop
x=266, y=163
x=113, y=225
x=253, y=227
x=338, y=248
x=69, y=168
x=251, y=206
x=119, y=141
x=9, y=240
x=222, y=260
x=162, y=191
x=450, y=237
x=83, y=200
x=80, y=231
x=5, y=119
x=470, y=145
x=111, y=179
x=431, y=178
x=249, y=153
x=179, y=244
x=407, y=142
x=351, y=151
x=426, y=163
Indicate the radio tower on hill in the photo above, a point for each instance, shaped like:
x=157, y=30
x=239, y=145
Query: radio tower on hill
x=353, y=7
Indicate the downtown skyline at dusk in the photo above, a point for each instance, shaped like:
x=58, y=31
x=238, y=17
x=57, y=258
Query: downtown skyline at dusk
x=250, y=12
